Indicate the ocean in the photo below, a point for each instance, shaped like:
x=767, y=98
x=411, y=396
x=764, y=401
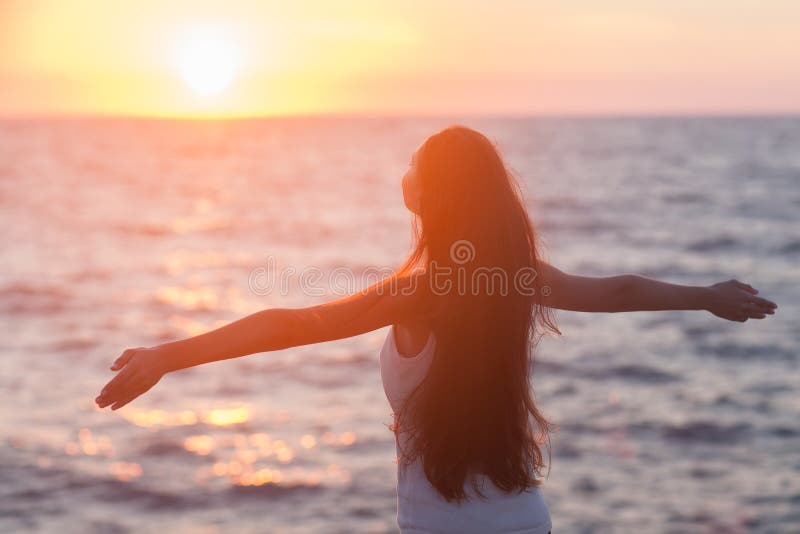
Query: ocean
x=132, y=232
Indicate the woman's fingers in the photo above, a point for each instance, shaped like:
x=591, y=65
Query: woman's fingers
x=126, y=400
x=751, y=310
x=767, y=306
x=124, y=359
x=760, y=305
x=746, y=287
x=116, y=382
x=137, y=389
x=764, y=302
x=737, y=301
x=138, y=372
x=118, y=387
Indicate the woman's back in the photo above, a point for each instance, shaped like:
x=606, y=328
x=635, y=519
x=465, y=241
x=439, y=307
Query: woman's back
x=420, y=508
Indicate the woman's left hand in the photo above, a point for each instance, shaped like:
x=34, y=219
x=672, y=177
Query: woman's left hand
x=142, y=368
x=736, y=301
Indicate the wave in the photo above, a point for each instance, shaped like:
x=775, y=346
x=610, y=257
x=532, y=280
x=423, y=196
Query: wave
x=351, y=358
x=112, y=490
x=74, y=344
x=692, y=431
x=767, y=388
x=164, y=447
x=29, y=490
x=782, y=431
x=708, y=432
x=566, y=450
x=145, y=229
x=711, y=244
x=634, y=372
x=565, y=389
x=747, y=351
x=703, y=472
x=25, y=297
x=684, y=197
x=274, y=490
x=791, y=500
x=791, y=247
x=585, y=484
x=698, y=332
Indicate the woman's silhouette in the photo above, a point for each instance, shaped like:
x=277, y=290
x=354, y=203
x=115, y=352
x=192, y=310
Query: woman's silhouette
x=465, y=310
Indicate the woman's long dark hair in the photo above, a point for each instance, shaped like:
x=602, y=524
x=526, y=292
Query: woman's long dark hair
x=474, y=413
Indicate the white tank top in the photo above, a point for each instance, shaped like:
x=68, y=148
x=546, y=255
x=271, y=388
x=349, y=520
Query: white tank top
x=420, y=508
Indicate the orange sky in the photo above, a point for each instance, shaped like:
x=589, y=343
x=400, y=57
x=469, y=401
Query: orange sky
x=266, y=57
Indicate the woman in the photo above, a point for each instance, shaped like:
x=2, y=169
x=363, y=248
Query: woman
x=465, y=310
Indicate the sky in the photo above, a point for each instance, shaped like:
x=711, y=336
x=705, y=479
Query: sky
x=196, y=58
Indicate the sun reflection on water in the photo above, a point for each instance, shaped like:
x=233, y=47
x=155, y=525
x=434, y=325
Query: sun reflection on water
x=227, y=416
x=215, y=417
x=239, y=459
x=198, y=298
x=201, y=445
x=125, y=471
x=89, y=444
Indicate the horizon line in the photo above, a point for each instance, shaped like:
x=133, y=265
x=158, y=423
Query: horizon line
x=400, y=115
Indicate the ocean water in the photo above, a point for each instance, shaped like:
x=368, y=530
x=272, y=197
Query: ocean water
x=122, y=233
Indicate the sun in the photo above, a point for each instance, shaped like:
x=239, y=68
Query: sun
x=208, y=60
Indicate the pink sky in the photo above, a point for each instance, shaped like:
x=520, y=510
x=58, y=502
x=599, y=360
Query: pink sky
x=377, y=57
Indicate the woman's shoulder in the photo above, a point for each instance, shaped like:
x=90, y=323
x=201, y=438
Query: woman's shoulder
x=414, y=330
x=411, y=337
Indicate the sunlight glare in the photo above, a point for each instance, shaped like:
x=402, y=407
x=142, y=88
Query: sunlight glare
x=208, y=60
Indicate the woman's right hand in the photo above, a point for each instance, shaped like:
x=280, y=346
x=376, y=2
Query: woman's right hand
x=139, y=370
x=737, y=301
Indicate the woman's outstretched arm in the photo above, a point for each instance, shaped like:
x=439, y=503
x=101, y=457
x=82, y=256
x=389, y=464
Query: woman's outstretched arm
x=282, y=328
x=389, y=301
x=732, y=300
